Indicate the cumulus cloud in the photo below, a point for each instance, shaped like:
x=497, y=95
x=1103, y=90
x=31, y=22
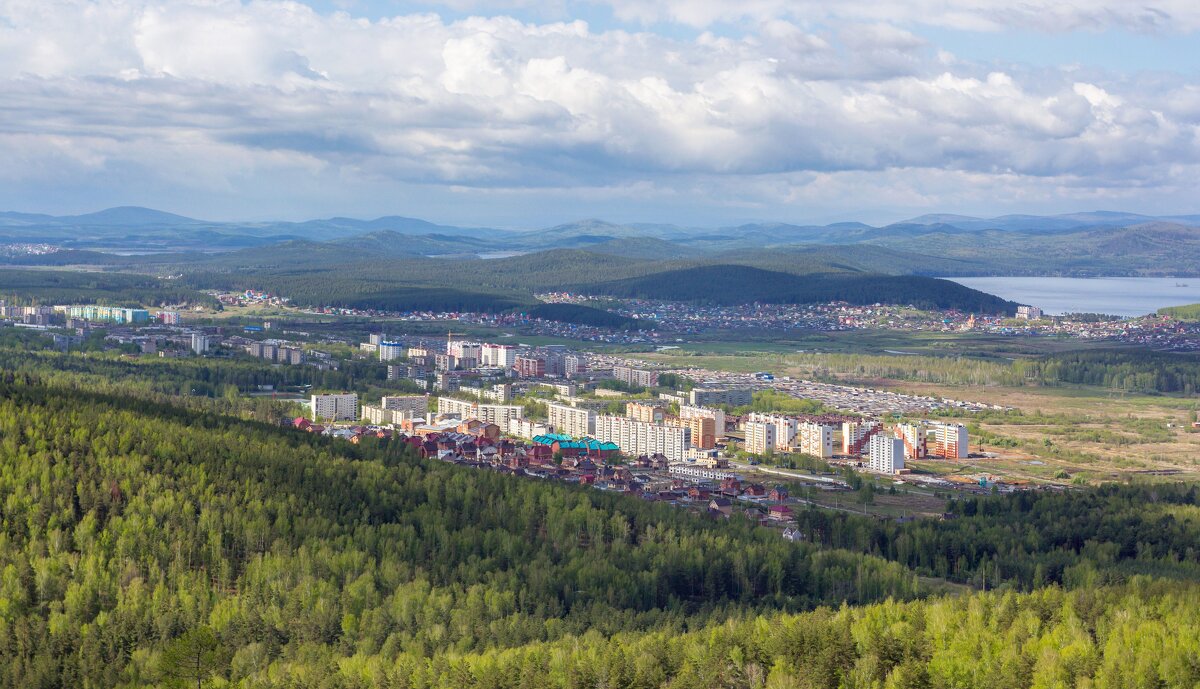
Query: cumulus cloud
x=225, y=97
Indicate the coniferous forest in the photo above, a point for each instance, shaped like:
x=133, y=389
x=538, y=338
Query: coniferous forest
x=148, y=539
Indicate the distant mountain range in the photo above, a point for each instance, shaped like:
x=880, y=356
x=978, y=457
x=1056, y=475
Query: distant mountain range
x=1091, y=243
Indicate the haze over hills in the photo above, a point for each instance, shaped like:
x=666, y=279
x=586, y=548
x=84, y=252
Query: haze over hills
x=1088, y=243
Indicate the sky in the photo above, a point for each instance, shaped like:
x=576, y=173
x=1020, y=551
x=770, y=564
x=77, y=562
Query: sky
x=515, y=113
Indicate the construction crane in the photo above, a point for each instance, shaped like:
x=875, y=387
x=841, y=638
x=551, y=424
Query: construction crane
x=449, y=338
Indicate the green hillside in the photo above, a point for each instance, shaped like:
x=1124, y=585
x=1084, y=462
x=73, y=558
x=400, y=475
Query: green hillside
x=318, y=274
x=140, y=529
x=50, y=287
x=737, y=284
x=1191, y=312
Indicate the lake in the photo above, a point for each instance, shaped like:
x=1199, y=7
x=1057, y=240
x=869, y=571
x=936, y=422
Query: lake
x=1117, y=296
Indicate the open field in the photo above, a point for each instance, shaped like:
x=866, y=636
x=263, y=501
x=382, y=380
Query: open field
x=1091, y=434
x=1061, y=434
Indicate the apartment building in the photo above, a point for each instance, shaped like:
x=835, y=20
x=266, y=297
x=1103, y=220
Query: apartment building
x=692, y=471
x=680, y=398
x=914, y=437
x=500, y=392
x=462, y=349
x=499, y=414
x=502, y=356
x=573, y=421
x=635, y=376
x=949, y=440
x=760, y=437
x=646, y=413
x=814, y=439
x=526, y=428
x=530, y=366
x=687, y=411
x=390, y=351
x=1029, y=313
x=886, y=454
x=289, y=355
x=335, y=407
x=200, y=343
x=263, y=350
x=381, y=416
x=417, y=405
x=109, y=314
x=574, y=365
x=785, y=428
x=703, y=429
x=857, y=434
x=711, y=397
x=640, y=438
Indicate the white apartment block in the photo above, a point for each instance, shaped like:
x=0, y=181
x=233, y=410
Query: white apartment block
x=886, y=454
x=856, y=435
x=814, y=439
x=914, y=437
x=526, y=428
x=574, y=365
x=1029, y=313
x=389, y=351
x=382, y=416
x=499, y=414
x=415, y=405
x=680, y=398
x=687, y=411
x=573, y=421
x=335, y=407
x=950, y=440
x=500, y=392
x=698, y=472
x=760, y=437
x=502, y=356
x=785, y=428
x=461, y=349
x=640, y=438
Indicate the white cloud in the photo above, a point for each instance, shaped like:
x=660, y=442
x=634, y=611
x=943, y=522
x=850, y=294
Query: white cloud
x=226, y=98
x=974, y=15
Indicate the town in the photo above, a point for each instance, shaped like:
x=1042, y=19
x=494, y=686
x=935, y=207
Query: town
x=608, y=421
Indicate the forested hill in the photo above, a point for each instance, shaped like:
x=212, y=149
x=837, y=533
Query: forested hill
x=322, y=275
x=738, y=284
x=136, y=532
x=128, y=523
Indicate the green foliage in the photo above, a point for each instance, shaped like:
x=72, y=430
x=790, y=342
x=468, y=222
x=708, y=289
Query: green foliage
x=192, y=658
x=108, y=289
x=1191, y=312
x=739, y=284
x=619, y=386
x=674, y=381
x=767, y=401
x=128, y=522
x=149, y=538
x=1142, y=371
x=1034, y=539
